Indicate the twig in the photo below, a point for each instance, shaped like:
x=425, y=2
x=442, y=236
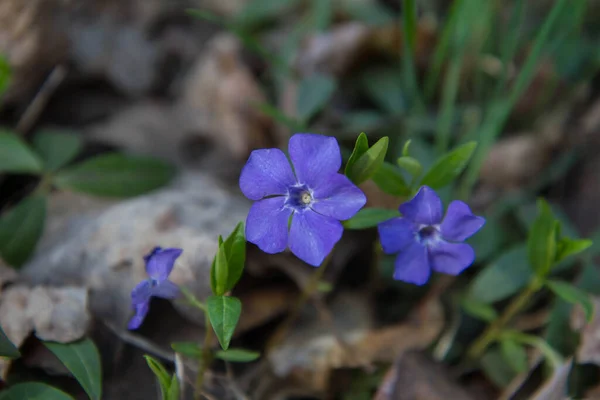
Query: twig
x=140, y=342
x=35, y=108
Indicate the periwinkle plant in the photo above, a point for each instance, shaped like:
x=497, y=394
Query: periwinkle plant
x=299, y=204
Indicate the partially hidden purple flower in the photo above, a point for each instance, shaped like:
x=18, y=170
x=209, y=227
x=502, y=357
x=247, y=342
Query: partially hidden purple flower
x=159, y=264
x=424, y=242
x=313, y=195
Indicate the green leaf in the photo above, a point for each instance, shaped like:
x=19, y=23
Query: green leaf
x=56, y=149
x=237, y=355
x=33, y=391
x=20, y=229
x=369, y=162
x=218, y=273
x=173, y=392
x=515, y=355
x=7, y=348
x=542, y=241
x=313, y=94
x=479, y=310
x=16, y=156
x=163, y=377
x=496, y=369
x=81, y=359
x=235, y=251
x=277, y=115
x=116, y=175
x=5, y=74
x=360, y=147
x=257, y=12
x=390, y=180
x=190, y=349
x=410, y=165
x=569, y=247
x=369, y=218
x=573, y=295
x=373, y=14
x=405, y=148
x=384, y=87
x=448, y=167
x=224, y=313
x=502, y=278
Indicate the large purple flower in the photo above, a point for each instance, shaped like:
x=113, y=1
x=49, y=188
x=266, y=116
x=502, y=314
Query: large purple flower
x=159, y=264
x=424, y=241
x=313, y=195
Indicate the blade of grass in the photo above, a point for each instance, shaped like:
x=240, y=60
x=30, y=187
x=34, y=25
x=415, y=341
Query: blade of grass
x=409, y=72
x=500, y=110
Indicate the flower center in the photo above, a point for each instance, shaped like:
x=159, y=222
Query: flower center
x=299, y=197
x=427, y=233
x=153, y=283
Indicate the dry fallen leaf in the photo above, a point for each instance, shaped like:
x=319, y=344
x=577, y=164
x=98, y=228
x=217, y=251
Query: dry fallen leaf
x=312, y=349
x=55, y=314
x=222, y=89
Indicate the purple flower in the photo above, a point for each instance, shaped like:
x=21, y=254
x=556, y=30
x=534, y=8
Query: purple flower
x=299, y=208
x=424, y=241
x=159, y=264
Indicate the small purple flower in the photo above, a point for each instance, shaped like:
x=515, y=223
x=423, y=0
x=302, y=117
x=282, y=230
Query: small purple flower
x=424, y=241
x=159, y=264
x=300, y=208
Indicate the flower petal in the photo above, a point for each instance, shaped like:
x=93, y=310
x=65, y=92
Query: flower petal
x=166, y=290
x=160, y=263
x=141, y=293
x=425, y=208
x=315, y=157
x=412, y=264
x=459, y=222
x=451, y=258
x=140, y=313
x=312, y=236
x=338, y=197
x=267, y=225
x=267, y=172
x=395, y=234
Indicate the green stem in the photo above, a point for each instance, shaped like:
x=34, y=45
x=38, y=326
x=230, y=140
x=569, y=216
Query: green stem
x=494, y=330
x=206, y=357
x=307, y=293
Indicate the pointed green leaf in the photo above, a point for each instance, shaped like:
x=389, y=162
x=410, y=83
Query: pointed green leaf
x=515, y=355
x=224, y=314
x=405, y=148
x=569, y=247
x=410, y=165
x=219, y=273
x=390, y=180
x=503, y=277
x=313, y=94
x=369, y=218
x=277, y=115
x=5, y=74
x=116, y=175
x=163, y=377
x=33, y=391
x=541, y=243
x=189, y=349
x=494, y=367
x=573, y=295
x=81, y=359
x=237, y=355
x=479, y=310
x=56, y=149
x=369, y=162
x=448, y=167
x=360, y=147
x=20, y=229
x=7, y=348
x=16, y=156
x=173, y=392
x=235, y=251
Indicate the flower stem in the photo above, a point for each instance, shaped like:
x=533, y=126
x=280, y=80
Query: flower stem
x=494, y=330
x=307, y=293
x=206, y=357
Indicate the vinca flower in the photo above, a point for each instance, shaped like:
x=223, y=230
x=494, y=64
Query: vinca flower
x=299, y=208
x=424, y=242
x=159, y=264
